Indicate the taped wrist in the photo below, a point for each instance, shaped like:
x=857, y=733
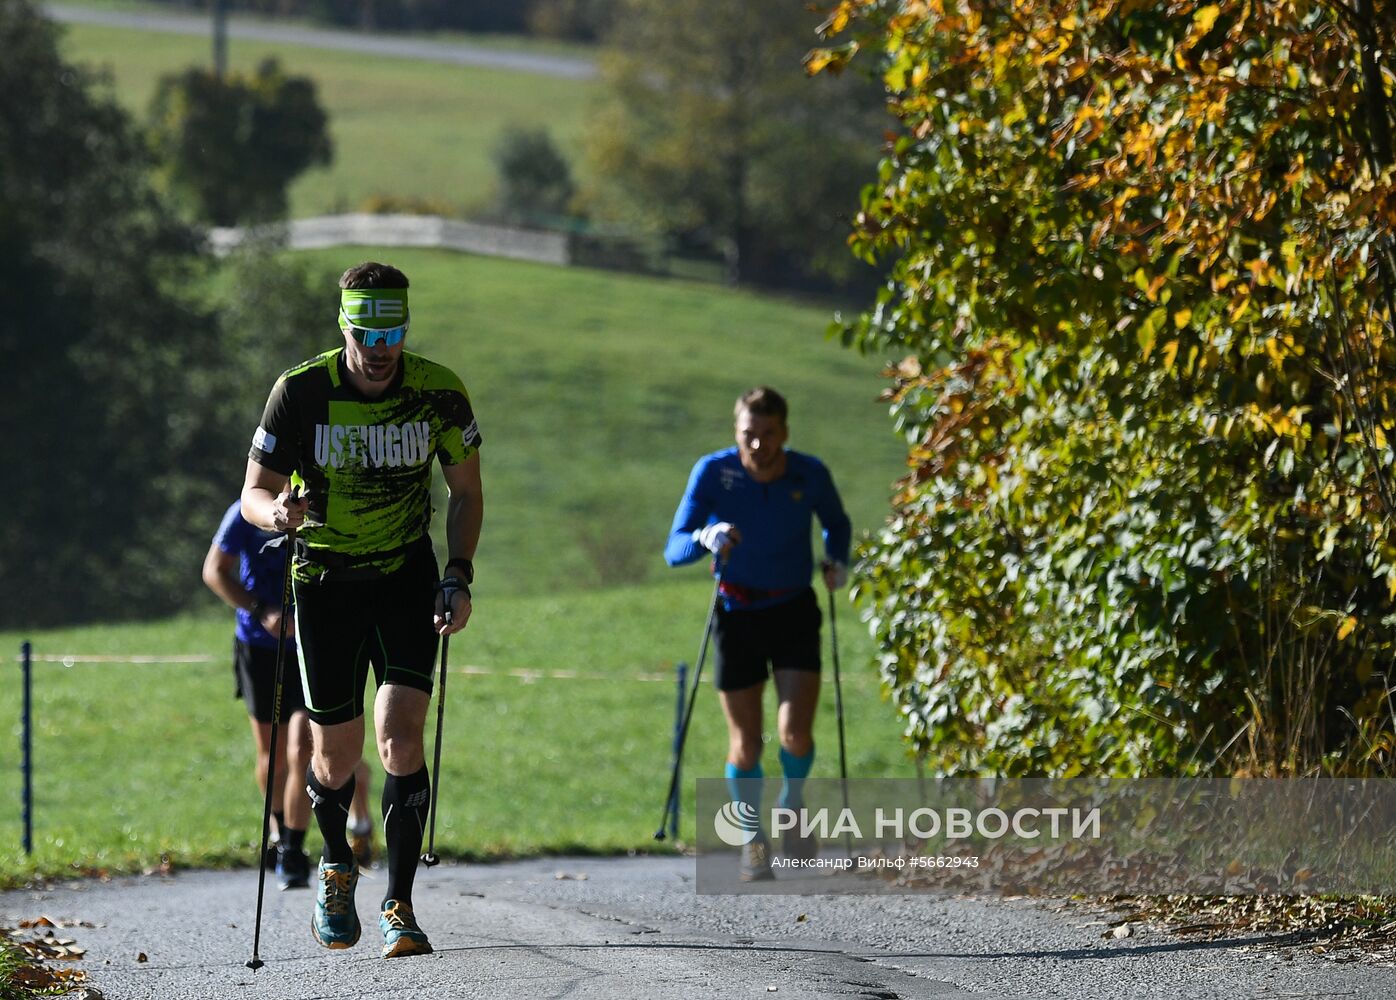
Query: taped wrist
x=449, y=587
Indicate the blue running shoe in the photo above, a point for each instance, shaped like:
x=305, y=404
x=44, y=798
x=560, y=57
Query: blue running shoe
x=335, y=923
x=401, y=935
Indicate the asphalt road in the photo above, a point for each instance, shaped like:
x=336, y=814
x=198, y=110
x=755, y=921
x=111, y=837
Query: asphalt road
x=366, y=43
x=634, y=928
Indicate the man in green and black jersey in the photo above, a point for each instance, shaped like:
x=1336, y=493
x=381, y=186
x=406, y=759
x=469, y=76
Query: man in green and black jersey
x=356, y=430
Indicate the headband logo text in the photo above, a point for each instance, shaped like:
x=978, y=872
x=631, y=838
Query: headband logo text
x=373, y=309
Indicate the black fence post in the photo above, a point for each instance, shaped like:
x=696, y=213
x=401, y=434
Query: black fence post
x=682, y=677
x=26, y=746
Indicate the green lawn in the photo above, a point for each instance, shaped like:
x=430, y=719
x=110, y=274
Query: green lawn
x=401, y=127
x=595, y=393
x=137, y=760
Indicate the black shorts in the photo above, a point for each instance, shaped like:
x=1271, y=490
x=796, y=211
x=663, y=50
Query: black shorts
x=255, y=668
x=785, y=636
x=345, y=626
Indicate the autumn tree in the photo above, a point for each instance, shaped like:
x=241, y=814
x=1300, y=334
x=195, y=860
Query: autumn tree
x=1142, y=290
x=535, y=179
x=584, y=20
x=230, y=147
x=713, y=134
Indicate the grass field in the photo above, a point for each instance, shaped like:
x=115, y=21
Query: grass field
x=133, y=761
x=595, y=394
x=401, y=127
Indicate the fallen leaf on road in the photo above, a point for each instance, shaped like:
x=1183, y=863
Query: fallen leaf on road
x=38, y=977
x=51, y=922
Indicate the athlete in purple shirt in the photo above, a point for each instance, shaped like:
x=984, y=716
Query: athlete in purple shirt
x=248, y=575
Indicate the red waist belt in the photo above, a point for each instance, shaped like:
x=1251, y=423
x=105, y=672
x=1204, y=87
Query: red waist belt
x=751, y=595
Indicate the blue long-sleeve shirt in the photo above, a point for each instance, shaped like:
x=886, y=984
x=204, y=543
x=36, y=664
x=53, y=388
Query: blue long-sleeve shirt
x=774, y=520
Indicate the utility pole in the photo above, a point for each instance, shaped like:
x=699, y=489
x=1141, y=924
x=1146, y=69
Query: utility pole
x=220, y=38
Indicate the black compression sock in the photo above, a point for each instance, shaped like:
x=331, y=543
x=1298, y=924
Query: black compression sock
x=331, y=806
x=406, y=799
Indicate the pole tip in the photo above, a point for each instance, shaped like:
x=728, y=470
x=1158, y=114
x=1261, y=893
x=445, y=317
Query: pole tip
x=659, y=834
x=430, y=860
x=254, y=964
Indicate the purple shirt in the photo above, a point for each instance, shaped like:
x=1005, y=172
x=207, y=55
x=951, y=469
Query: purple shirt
x=260, y=569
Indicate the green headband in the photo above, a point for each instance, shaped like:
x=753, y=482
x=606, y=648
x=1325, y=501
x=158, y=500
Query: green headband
x=374, y=308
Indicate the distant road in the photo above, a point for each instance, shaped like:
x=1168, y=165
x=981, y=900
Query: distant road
x=454, y=53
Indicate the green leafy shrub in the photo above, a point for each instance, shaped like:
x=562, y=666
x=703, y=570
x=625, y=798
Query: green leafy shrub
x=1143, y=282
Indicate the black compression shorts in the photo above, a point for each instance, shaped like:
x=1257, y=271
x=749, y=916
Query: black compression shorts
x=345, y=626
x=255, y=667
x=785, y=636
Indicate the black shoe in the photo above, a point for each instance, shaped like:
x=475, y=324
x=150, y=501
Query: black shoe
x=292, y=869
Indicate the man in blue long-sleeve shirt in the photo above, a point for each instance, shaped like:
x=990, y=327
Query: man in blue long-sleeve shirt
x=751, y=507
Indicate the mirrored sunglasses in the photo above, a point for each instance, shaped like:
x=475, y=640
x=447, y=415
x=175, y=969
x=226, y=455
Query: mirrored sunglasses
x=372, y=338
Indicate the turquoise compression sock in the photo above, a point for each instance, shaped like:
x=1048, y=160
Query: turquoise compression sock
x=796, y=770
x=744, y=786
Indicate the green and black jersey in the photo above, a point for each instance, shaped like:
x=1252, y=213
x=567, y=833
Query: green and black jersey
x=364, y=464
